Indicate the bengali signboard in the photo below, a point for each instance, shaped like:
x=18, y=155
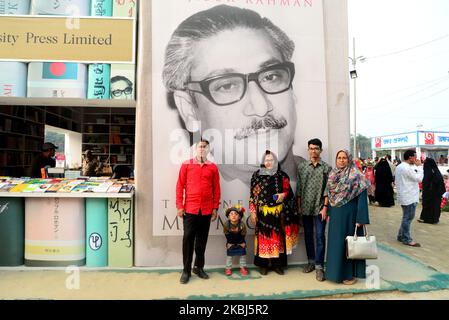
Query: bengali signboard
x=437, y=139
x=394, y=141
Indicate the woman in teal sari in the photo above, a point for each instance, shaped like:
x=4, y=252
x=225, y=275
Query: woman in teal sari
x=348, y=198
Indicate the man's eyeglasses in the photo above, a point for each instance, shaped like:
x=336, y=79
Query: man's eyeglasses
x=118, y=92
x=230, y=88
x=315, y=149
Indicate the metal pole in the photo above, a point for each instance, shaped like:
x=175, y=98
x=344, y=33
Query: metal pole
x=355, y=101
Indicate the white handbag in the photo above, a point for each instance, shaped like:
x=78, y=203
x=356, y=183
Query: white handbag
x=361, y=247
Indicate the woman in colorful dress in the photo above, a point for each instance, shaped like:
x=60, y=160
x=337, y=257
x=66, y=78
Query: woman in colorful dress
x=347, y=192
x=272, y=207
x=369, y=175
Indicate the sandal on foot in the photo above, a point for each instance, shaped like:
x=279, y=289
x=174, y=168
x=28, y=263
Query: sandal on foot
x=350, y=282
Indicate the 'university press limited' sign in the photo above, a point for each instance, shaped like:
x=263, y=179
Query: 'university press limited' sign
x=71, y=39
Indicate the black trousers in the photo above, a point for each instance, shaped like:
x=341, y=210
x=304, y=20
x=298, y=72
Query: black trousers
x=196, y=232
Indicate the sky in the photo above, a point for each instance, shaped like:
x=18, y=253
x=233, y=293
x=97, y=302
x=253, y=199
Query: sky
x=403, y=85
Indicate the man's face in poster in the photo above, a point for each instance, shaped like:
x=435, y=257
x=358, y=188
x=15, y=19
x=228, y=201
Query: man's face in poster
x=121, y=89
x=256, y=115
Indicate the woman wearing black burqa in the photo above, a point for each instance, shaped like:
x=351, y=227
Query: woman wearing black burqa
x=432, y=190
x=384, y=184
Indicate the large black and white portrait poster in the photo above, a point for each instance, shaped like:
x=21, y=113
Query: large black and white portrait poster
x=247, y=76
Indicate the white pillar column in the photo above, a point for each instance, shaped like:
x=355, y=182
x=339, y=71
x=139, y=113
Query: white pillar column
x=393, y=154
x=374, y=154
x=418, y=152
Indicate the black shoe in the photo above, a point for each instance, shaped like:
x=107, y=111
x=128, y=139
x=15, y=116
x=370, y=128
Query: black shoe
x=184, y=277
x=200, y=273
x=263, y=271
x=308, y=268
x=278, y=270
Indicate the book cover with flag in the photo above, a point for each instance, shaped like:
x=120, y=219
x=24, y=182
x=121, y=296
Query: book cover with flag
x=57, y=80
x=13, y=79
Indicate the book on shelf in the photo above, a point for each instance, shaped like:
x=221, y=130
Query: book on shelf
x=43, y=187
x=101, y=8
x=125, y=8
x=66, y=188
x=56, y=80
x=13, y=79
x=115, y=139
x=123, y=81
x=7, y=187
x=18, y=188
x=31, y=186
x=60, y=8
x=115, y=129
x=55, y=187
x=102, y=187
x=126, y=188
x=82, y=187
x=115, y=188
x=99, y=77
x=7, y=124
x=21, y=7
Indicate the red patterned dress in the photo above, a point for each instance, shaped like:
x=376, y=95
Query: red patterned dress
x=277, y=226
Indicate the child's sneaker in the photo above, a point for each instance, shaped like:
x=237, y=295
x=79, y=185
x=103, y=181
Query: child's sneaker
x=228, y=272
x=243, y=271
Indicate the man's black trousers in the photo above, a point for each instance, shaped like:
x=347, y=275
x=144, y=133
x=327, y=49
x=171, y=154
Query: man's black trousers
x=196, y=232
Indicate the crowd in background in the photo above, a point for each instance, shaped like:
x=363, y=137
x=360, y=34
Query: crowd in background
x=381, y=174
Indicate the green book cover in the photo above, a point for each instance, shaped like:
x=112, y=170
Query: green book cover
x=120, y=232
x=125, y=8
x=101, y=8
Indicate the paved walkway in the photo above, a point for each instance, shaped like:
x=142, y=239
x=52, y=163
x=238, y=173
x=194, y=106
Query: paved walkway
x=405, y=272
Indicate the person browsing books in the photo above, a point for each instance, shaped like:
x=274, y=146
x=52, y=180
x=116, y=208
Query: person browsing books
x=44, y=159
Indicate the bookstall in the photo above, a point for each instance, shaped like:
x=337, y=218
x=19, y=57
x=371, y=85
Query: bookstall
x=61, y=222
x=127, y=116
x=70, y=65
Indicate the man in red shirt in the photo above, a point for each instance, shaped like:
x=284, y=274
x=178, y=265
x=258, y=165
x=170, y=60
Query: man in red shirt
x=197, y=200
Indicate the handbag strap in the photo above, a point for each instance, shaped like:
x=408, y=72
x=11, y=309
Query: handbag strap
x=365, y=231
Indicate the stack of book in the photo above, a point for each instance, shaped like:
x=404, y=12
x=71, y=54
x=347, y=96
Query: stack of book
x=60, y=185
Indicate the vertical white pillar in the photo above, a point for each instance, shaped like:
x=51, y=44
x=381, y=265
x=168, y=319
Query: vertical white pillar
x=418, y=152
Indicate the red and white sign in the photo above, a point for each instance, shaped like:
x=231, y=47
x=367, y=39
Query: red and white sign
x=429, y=138
x=378, y=142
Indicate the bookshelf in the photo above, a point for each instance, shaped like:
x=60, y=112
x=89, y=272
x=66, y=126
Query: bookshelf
x=21, y=136
x=110, y=134
x=63, y=117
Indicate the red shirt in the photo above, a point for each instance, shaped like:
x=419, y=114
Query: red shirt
x=198, y=187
